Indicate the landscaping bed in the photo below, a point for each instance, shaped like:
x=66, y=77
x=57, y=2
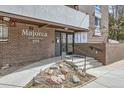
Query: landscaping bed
x=61, y=75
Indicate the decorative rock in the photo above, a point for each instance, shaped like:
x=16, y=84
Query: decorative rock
x=54, y=80
x=62, y=77
x=64, y=70
x=37, y=82
x=49, y=80
x=81, y=72
x=62, y=86
x=5, y=66
x=59, y=80
x=46, y=70
x=49, y=71
x=61, y=65
x=54, y=67
x=75, y=79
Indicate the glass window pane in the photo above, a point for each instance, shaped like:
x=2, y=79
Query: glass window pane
x=3, y=32
x=97, y=21
x=0, y=31
x=79, y=38
x=98, y=8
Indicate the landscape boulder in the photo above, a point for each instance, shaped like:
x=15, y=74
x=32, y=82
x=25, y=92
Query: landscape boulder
x=62, y=77
x=54, y=80
x=81, y=72
x=75, y=79
x=49, y=71
x=61, y=65
x=5, y=66
x=36, y=81
x=54, y=67
x=64, y=70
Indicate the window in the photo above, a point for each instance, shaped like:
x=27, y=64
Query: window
x=97, y=22
x=98, y=8
x=97, y=32
x=81, y=37
x=97, y=26
x=3, y=32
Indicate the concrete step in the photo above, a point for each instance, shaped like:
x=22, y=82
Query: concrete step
x=75, y=60
x=78, y=56
x=89, y=66
x=87, y=62
x=80, y=60
x=90, y=58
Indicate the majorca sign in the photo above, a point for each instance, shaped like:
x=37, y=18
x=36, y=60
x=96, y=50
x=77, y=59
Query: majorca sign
x=31, y=34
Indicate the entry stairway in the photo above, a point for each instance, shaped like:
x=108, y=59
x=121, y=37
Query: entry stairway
x=78, y=61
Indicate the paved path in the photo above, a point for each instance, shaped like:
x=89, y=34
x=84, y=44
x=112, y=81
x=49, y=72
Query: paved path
x=110, y=76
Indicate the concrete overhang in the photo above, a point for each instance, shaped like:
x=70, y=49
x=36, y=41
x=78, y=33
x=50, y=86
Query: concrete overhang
x=71, y=19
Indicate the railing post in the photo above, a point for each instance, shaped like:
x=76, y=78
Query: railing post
x=72, y=57
x=85, y=64
x=61, y=56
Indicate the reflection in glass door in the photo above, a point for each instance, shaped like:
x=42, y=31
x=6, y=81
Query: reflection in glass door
x=69, y=43
x=63, y=43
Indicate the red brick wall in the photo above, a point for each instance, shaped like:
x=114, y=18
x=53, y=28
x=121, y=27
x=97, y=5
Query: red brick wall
x=114, y=52
x=85, y=48
x=19, y=48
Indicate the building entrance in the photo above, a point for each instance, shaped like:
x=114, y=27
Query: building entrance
x=64, y=43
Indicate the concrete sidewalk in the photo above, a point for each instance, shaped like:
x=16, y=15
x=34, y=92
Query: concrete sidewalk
x=21, y=77
x=110, y=76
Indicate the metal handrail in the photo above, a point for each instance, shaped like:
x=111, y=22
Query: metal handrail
x=84, y=56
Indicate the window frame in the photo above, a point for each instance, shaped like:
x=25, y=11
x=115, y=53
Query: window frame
x=81, y=37
x=97, y=24
x=97, y=27
x=4, y=35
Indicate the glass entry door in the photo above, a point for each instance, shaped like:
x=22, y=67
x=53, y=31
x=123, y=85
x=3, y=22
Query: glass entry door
x=67, y=43
x=63, y=43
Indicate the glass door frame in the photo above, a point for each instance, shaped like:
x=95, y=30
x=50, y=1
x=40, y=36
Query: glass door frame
x=70, y=33
x=67, y=33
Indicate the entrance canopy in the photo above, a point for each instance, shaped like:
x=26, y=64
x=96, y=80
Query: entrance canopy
x=39, y=22
x=60, y=17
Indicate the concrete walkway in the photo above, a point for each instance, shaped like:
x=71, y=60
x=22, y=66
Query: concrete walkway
x=21, y=77
x=110, y=76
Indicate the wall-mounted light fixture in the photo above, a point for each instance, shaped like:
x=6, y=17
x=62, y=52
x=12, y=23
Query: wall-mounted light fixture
x=6, y=19
x=66, y=28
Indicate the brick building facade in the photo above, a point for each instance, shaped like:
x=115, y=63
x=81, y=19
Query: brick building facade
x=60, y=29
x=103, y=15
x=22, y=48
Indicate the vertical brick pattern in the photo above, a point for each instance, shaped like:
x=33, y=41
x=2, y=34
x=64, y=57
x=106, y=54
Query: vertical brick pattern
x=85, y=48
x=114, y=52
x=20, y=48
